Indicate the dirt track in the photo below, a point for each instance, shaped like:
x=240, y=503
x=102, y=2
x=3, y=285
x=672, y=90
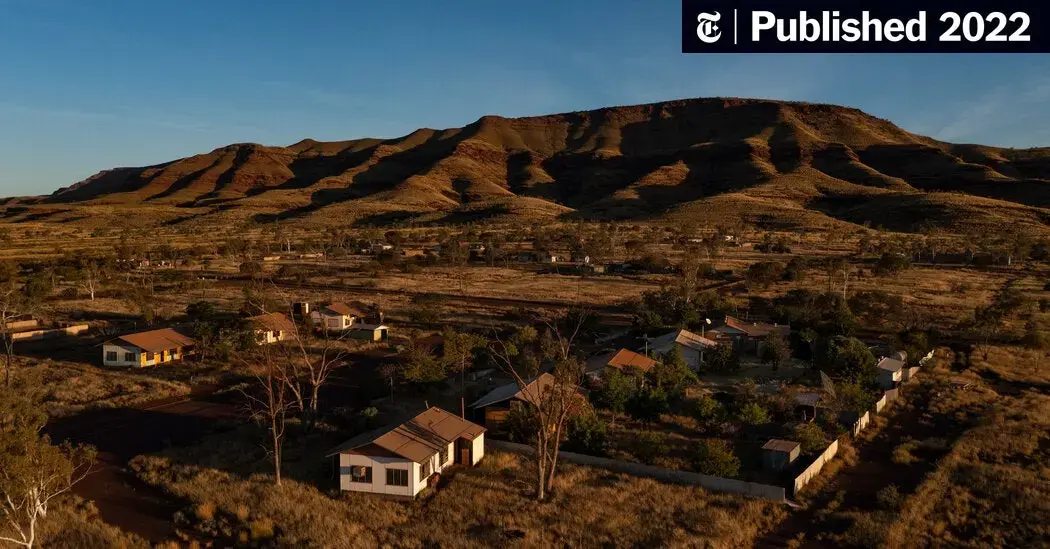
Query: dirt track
x=120, y=434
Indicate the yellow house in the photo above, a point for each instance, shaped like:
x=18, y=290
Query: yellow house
x=146, y=348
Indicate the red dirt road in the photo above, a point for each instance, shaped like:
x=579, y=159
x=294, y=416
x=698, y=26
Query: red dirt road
x=120, y=434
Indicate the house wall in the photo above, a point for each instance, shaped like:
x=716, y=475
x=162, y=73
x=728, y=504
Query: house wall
x=140, y=356
x=478, y=449
x=265, y=337
x=379, y=466
x=109, y=348
x=888, y=379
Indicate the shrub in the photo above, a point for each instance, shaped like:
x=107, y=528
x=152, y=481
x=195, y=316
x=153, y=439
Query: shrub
x=889, y=497
x=615, y=391
x=753, y=413
x=587, y=435
x=648, y=404
x=648, y=446
x=205, y=511
x=902, y=454
x=707, y=411
x=261, y=529
x=714, y=457
x=811, y=437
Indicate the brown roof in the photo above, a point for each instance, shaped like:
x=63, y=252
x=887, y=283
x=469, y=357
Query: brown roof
x=418, y=438
x=776, y=445
x=275, y=322
x=341, y=308
x=531, y=392
x=625, y=359
x=684, y=338
x=755, y=329
x=157, y=340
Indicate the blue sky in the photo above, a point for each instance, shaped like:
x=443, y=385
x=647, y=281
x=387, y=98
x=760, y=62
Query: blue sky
x=89, y=86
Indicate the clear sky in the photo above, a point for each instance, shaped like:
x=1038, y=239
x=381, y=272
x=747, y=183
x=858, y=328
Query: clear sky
x=86, y=86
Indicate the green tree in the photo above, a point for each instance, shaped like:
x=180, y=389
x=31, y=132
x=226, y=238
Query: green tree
x=753, y=414
x=587, y=435
x=811, y=437
x=848, y=358
x=33, y=472
x=723, y=359
x=714, y=457
x=708, y=411
x=671, y=373
x=775, y=349
x=647, y=404
x=615, y=391
x=420, y=365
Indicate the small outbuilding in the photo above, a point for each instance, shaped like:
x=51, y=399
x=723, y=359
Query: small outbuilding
x=891, y=370
x=368, y=332
x=778, y=454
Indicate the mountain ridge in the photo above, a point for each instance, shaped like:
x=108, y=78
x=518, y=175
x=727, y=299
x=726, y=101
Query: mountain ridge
x=627, y=162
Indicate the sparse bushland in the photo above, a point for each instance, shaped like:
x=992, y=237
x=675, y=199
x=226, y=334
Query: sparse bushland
x=991, y=489
x=230, y=500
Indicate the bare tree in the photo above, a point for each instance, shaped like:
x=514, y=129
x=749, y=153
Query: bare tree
x=90, y=275
x=553, y=400
x=270, y=403
x=12, y=301
x=309, y=357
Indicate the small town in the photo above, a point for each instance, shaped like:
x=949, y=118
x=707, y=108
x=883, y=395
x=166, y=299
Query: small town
x=406, y=367
x=550, y=275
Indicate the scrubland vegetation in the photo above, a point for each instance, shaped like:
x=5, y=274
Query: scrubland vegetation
x=948, y=466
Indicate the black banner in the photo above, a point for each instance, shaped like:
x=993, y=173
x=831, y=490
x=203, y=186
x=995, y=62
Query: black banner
x=825, y=26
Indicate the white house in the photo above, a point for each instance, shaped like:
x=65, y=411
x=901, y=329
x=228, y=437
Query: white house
x=336, y=317
x=691, y=345
x=891, y=370
x=272, y=327
x=400, y=461
x=146, y=348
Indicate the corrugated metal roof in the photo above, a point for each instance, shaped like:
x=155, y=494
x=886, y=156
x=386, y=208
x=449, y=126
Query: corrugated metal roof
x=418, y=438
x=276, y=322
x=891, y=364
x=625, y=359
x=533, y=389
x=755, y=329
x=340, y=308
x=684, y=338
x=777, y=445
x=156, y=341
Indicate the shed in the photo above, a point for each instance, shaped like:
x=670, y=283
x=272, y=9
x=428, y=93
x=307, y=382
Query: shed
x=778, y=454
x=369, y=332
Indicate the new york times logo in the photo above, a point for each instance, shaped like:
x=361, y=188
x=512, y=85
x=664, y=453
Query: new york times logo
x=707, y=30
x=760, y=26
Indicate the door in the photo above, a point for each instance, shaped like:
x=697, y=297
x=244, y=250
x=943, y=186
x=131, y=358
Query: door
x=465, y=448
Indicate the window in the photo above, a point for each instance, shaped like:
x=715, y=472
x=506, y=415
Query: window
x=149, y=357
x=129, y=357
x=445, y=455
x=397, y=477
x=360, y=473
x=111, y=356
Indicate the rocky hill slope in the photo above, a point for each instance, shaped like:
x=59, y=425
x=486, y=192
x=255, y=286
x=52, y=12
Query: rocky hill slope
x=777, y=163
